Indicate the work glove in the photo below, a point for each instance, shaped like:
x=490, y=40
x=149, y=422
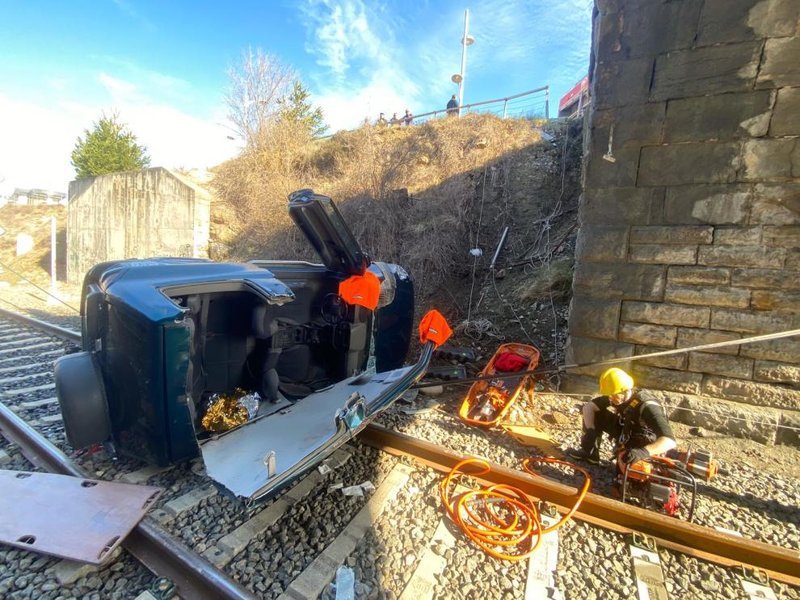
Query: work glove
x=634, y=455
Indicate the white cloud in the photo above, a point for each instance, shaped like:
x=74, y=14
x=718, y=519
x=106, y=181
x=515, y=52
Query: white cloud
x=126, y=8
x=375, y=60
x=37, y=140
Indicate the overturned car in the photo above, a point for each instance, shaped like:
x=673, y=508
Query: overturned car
x=262, y=368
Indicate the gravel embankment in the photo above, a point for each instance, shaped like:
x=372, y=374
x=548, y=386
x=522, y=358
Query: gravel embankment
x=758, y=497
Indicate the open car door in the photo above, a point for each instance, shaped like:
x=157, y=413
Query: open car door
x=260, y=457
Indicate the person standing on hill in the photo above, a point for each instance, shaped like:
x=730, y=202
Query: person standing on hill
x=452, y=107
x=408, y=118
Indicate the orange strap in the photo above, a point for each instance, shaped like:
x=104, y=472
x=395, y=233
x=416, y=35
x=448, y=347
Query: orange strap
x=363, y=290
x=434, y=328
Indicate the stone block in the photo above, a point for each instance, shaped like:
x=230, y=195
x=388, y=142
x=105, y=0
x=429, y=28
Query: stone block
x=785, y=237
x=628, y=281
x=620, y=33
x=762, y=278
x=594, y=318
x=617, y=206
x=786, y=114
x=721, y=364
x=776, y=204
x=648, y=334
x=690, y=338
x=665, y=314
x=620, y=173
x=717, y=295
x=656, y=254
x=783, y=350
x=750, y=392
x=741, y=256
x=667, y=379
x=622, y=82
x=770, y=159
x=599, y=243
x=754, y=322
x=776, y=372
x=714, y=204
x=729, y=418
x=789, y=429
x=721, y=117
x=726, y=21
x=640, y=123
x=779, y=64
x=584, y=351
x=737, y=236
x=793, y=260
x=681, y=164
x=778, y=300
x=698, y=275
x=706, y=71
x=672, y=235
x=671, y=361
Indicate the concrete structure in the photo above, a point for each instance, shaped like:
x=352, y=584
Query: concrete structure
x=690, y=218
x=136, y=214
x=36, y=197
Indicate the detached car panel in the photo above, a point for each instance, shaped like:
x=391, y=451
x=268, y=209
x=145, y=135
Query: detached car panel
x=165, y=339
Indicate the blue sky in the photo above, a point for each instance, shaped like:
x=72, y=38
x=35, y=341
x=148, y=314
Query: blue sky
x=162, y=66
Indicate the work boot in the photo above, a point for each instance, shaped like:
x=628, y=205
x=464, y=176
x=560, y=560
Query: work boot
x=589, y=450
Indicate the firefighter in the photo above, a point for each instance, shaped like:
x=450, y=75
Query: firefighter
x=632, y=417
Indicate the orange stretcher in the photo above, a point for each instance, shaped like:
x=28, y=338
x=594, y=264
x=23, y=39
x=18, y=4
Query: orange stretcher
x=488, y=400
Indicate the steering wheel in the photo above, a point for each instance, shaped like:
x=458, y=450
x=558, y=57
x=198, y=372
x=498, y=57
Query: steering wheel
x=333, y=309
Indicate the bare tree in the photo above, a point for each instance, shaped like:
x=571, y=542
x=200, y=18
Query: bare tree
x=257, y=84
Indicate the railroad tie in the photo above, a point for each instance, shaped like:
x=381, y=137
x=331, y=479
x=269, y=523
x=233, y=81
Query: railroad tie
x=430, y=565
x=315, y=578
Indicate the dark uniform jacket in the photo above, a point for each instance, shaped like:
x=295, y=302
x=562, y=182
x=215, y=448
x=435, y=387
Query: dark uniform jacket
x=635, y=423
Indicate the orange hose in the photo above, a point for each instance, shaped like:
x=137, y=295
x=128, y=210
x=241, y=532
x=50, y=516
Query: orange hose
x=581, y=494
x=500, y=519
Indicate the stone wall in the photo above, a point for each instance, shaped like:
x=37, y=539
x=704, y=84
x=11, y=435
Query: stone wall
x=690, y=218
x=137, y=214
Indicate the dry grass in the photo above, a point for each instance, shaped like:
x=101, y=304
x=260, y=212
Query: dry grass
x=33, y=221
x=408, y=193
x=553, y=278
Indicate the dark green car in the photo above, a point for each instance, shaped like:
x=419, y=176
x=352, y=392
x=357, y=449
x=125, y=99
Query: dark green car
x=169, y=341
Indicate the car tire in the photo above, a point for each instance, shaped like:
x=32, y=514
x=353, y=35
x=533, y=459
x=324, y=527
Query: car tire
x=81, y=395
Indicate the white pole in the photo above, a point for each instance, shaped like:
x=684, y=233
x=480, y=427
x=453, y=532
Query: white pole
x=53, y=255
x=463, y=61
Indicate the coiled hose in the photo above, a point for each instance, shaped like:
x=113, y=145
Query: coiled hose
x=500, y=519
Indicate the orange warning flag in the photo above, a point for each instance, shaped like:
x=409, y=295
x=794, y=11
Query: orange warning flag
x=363, y=290
x=434, y=328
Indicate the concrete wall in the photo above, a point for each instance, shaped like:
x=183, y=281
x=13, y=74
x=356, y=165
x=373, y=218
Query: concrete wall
x=690, y=218
x=134, y=215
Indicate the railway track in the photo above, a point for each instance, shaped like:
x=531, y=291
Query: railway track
x=395, y=537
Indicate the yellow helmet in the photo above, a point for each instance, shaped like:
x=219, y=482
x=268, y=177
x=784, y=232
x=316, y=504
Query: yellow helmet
x=613, y=381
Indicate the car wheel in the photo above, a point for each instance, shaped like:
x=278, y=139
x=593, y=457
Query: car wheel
x=81, y=395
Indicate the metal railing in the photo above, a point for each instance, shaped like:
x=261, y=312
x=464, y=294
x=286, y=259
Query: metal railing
x=533, y=104
x=526, y=105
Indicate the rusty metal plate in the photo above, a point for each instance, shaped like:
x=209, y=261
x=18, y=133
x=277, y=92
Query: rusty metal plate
x=69, y=517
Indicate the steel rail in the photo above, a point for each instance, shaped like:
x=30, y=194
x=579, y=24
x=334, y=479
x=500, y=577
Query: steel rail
x=62, y=332
x=701, y=542
x=192, y=575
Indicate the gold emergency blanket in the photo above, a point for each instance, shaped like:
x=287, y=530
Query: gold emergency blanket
x=228, y=410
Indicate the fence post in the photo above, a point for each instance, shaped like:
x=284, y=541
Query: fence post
x=547, y=102
x=505, y=103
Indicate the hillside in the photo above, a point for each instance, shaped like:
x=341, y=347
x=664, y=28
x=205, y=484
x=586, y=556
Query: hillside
x=33, y=221
x=422, y=196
